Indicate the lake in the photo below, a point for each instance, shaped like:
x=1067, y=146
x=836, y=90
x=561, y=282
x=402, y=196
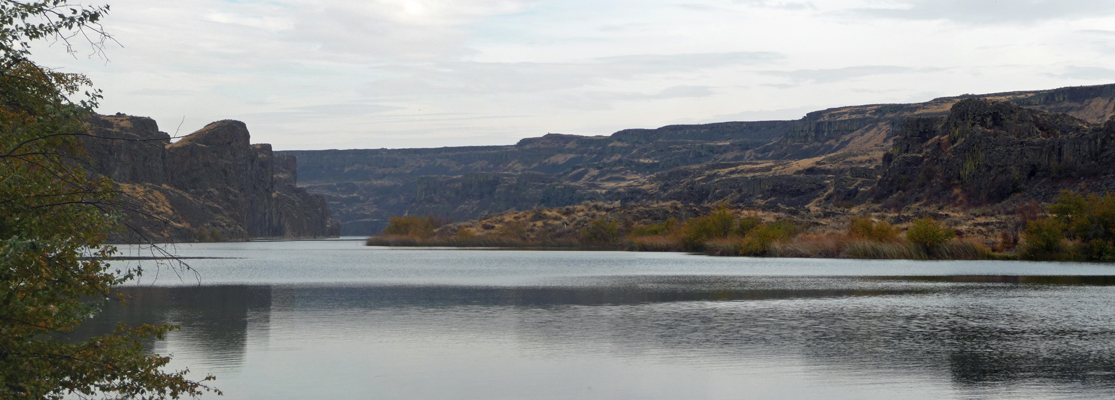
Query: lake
x=337, y=320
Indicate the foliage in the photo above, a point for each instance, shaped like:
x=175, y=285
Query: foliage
x=1090, y=221
x=601, y=232
x=1044, y=240
x=758, y=240
x=662, y=229
x=513, y=230
x=868, y=229
x=719, y=224
x=925, y=232
x=413, y=226
x=54, y=218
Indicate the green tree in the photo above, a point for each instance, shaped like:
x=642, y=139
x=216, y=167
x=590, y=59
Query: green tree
x=53, y=262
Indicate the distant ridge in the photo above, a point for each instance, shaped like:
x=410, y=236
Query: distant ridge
x=831, y=157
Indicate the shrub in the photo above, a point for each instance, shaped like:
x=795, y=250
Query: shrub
x=1097, y=250
x=720, y=224
x=1044, y=240
x=758, y=241
x=1090, y=221
x=867, y=229
x=413, y=226
x=601, y=232
x=513, y=230
x=655, y=229
x=925, y=232
x=697, y=231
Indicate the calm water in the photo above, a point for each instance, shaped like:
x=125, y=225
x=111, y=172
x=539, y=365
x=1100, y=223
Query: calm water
x=337, y=320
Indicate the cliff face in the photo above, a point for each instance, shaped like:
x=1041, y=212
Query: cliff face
x=987, y=151
x=829, y=157
x=210, y=185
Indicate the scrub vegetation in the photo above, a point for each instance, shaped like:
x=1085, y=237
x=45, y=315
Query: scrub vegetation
x=719, y=231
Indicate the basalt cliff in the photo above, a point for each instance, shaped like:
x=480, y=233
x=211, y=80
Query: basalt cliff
x=962, y=151
x=212, y=185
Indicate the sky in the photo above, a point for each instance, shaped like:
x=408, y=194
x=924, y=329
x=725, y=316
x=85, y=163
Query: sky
x=343, y=74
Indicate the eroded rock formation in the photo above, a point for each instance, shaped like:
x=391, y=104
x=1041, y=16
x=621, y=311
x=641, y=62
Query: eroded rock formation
x=829, y=158
x=986, y=151
x=210, y=185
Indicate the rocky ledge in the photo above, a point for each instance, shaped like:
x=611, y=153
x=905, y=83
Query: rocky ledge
x=212, y=185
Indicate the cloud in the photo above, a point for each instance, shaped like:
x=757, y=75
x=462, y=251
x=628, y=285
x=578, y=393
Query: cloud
x=1088, y=73
x=979, y=12
x=838, y=74
x=782, y=5
x=674, y=62
x=468, y=78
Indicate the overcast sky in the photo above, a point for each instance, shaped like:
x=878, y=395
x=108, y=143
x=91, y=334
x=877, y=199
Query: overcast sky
x=321, y=74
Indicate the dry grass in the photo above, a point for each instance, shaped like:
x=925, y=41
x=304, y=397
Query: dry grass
x=657, y=243
x=810, y=246
x=963, y=250
x=866, y=249
x=724, y=247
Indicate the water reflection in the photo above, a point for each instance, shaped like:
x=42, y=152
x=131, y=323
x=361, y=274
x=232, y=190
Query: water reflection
x=215, y=319
x=985, y=335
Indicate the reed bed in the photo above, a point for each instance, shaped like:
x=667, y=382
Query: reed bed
x=963, y=250
x=872, y=250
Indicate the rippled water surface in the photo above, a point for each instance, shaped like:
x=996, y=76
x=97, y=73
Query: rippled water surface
x=335, y=319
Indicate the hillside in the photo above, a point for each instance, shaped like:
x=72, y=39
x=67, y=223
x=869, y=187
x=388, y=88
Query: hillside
x=211, y=185
x=829, y=158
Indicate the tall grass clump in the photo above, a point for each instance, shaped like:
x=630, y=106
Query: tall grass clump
x=962, y=250
x=872, y=250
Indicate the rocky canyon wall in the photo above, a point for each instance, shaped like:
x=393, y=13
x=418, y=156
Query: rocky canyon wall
x=211, y=185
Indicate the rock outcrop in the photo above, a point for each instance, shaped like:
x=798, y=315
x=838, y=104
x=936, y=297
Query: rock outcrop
x=827, y=158
x=210, y=185
x=986, y=151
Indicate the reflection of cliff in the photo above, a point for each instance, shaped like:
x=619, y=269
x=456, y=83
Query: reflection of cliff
x=210, y=185
x=215, y=320
x=977, y=334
